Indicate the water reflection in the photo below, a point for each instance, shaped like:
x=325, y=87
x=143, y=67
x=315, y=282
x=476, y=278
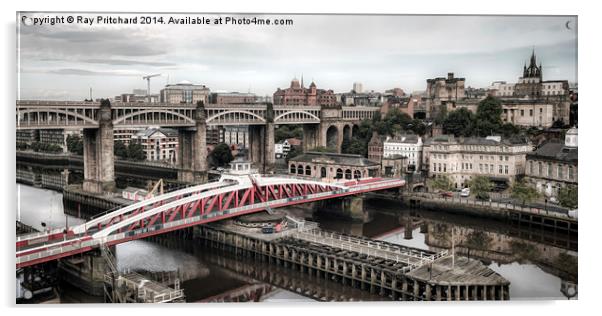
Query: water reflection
x=537, y=263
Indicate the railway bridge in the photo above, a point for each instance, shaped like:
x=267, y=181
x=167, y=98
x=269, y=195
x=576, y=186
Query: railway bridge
x=322, y=126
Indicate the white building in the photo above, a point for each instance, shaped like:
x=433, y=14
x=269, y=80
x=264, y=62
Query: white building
x=358, y=87
x=184, y=92
x=236, y=135
x=461, y=158
x=409, y=146
x=159, y=144
x=502, y=89
x=282, y=149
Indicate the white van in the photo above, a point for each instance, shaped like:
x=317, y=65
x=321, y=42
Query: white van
x=465, y=192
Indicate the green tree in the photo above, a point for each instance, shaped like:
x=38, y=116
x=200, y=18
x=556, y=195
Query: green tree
x=509, y=129
x=522, y=191
x=120, y=150
x=221, y=154
x=75, y=144
x=441, y=114
x=480, y=186
x=135, y=151
x=285, y=131
x=418, y=127
x=294, y=152
x=489, y=116
x=442, y=183
x=460, y=122
x=568, y=196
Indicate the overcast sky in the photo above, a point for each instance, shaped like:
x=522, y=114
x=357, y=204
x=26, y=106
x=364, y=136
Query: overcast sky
x=63, y=61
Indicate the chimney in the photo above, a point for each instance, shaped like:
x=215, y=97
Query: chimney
x=450, y=75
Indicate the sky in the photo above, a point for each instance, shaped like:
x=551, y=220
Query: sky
x=63, y=61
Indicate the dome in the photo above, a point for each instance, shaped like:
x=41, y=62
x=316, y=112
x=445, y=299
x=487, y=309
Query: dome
x=570, y=139
x=184, y=82
x=572, y=131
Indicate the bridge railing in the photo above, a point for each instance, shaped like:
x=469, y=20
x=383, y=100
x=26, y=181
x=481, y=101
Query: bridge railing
x=491, y=204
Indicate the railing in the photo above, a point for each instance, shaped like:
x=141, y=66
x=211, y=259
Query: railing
x=491, y=204
x=412, y=258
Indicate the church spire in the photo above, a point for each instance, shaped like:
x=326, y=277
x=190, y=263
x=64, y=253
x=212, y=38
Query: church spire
x=302, y=86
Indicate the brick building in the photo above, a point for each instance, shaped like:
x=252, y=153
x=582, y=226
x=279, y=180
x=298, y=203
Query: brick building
x=328, y=166
x=298, y=95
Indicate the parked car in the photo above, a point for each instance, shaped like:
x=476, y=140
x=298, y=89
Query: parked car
x=446, y=194
x=465, y=192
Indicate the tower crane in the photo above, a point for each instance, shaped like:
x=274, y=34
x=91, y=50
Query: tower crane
x=148, y=78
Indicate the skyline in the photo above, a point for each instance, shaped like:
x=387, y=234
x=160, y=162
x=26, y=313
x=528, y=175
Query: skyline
x=62, y=62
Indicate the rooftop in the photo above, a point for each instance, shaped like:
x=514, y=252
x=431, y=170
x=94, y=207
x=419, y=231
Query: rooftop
x=555, y=150
x=341, y=159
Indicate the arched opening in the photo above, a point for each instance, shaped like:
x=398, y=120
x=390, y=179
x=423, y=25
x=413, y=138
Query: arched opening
x=307, y=170
x=323, y=172
x=332, y=137
x=357, y=174
x=355, y=131
x=348, y=174
x=339, y=173
x=293, y=169
x=347, y=132
x=300, y=170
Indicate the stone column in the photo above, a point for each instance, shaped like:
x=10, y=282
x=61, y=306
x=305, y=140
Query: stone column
x=255, y=145
x=99, y=160
x=270, y=151
x=185, y=173
x=310, y=136
x=199, y=149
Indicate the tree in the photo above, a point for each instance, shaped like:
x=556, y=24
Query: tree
x=441, y=182
x=120, y=149
x=294, y=152
x=489, y=116
x=460, y=122
x=522, y=191
x=441, y=114
x=135, y=151
x=418, y=127
x=75, y=144
x=221, y=154
x=284, y=132
x=480, y=186
x=568, y=196
x=509, y=129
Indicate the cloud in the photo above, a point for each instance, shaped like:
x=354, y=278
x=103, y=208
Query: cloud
x=125, y=62
x=83, y=72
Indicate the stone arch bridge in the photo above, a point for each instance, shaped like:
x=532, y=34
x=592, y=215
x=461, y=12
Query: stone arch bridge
x=325, y=127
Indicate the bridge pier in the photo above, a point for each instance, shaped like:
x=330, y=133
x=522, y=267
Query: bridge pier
x=192, y=155
x=99, y=167
x=310, y=136
x=261, y=147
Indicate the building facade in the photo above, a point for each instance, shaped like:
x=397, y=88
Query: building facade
x=527, y=113
x=461, y=159
x=331, y=166
x=159, y=144
x=298, y=95
x=184, y=92
x=236, y=135
x=232, y=98
x=408, y=146
x=554, y=165
x=443, y=90
x=375, y=148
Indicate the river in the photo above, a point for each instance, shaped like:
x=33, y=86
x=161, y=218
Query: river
x=536, y=274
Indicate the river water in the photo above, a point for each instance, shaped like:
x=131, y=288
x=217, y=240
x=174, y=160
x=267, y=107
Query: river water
x=538, y=273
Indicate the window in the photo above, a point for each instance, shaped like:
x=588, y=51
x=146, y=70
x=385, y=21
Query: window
x=530, y=112
x=500, y=169
x=571, y=173
x=540, y=171
x=549, y=169
x=560, y=172
x=308, y=171
x=505, y=169
x=522, y=112
x=481, y=168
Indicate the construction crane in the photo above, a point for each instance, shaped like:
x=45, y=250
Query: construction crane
x=148, y=78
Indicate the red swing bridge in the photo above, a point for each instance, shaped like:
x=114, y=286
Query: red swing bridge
x=232, y=195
